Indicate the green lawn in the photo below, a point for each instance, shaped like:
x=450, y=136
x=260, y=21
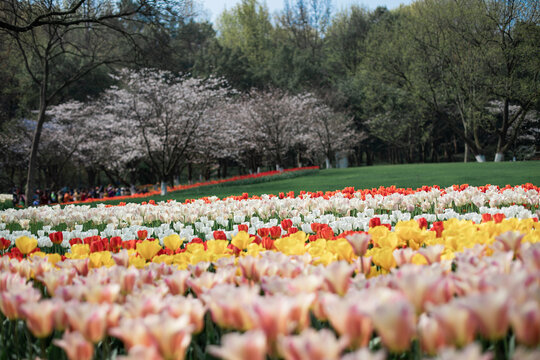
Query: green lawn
x=415, y=175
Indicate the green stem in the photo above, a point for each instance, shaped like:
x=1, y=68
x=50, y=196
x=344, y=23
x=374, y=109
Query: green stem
x=16, y=338
x=43, y=353
x=500, y=349
x=106, y=348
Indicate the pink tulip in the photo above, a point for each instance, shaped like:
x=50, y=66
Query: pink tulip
x=198, y=269
x=229, y=305
x=12, y=301
x=172, y=335
x=456, y=323
x=431, y=335
x=133, y=332
x=279, y=314
x=311, y=345
x=53, y=279
x=101, y=293
x=359, y=243
x=177, y=306
x=337, y=277
x=403, y=256
x=250, y=345
x=40, y=317
x=121, y=258
x=75, y=346
x=88, y=319
x=139, y=352
x=432, y=253
x=365, y=354
x=255, y=268
x=490, y=311
x=471, y=352
x=351, y=317
x=395, y=322
x=9, y=281
x=509, y=241
x=177, y=282
x=416, y=282
x=363, y=265
x=525, y=321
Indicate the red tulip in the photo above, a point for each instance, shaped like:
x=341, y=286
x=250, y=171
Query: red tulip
x=4, y=243
x=75, y=241
x=286, y=224
x=275, y=232
x=498, y=218
x=263, y=232
x=220, y=235
x=56, y=237
x=142, y=234
x=486, y=218
x=422, y=222
x=373, y=222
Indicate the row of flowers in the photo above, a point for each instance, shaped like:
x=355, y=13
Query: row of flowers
x=347, y=202
x=320, y=240
x=461, y=290
x=197, y=184
x=206, y=229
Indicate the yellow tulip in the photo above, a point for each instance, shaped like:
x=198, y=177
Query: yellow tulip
x=384, y=257
x=40, y=254
x=241, y=240
x=342, y=248
x=54, y=258
x=148, y=249
x=291, y=245
x=26, y=244
x=199, y=256
x=324, y=259
x=95, y=260
x=194, y=247
x=165, y=259
x=137, y=262
x=254, y=249
x=80, y=250
x=172, y=242
x=217, y=246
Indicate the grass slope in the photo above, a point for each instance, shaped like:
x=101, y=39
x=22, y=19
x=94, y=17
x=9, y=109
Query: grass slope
x=410, y=175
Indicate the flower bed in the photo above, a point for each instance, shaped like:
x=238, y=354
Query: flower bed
x=385, y=273
x=238, y=178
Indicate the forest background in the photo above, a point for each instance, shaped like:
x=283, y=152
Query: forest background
x=104, y=90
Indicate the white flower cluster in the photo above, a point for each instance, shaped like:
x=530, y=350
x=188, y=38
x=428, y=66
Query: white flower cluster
x=204, y=227
x=222, y=212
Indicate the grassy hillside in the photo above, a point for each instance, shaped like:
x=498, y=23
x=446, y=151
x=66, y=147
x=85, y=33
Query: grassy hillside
x=410, y=175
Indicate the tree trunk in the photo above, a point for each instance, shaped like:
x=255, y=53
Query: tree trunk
x=327, y=162
x=480, y=158
x=163, y=188
x=369, y=158
x=466, y=153
x=190, y=173
x=35, y=143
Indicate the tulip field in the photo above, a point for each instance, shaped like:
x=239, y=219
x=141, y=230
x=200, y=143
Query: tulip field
x=384, y=273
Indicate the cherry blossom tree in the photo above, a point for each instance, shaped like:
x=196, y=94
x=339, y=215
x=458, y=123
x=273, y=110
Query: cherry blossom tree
x=274, y=119
x=98, y=139
x=331, y=134
x=166, y=114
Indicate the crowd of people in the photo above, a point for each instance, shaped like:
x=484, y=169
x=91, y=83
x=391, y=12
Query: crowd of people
x=66, y=195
